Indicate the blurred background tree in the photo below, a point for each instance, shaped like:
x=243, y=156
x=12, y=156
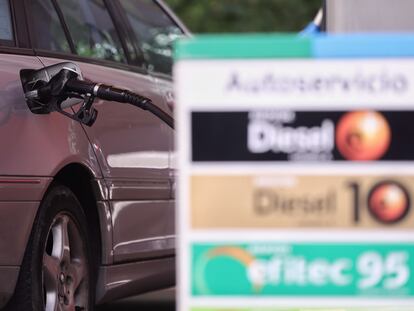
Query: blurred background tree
x=245, y=15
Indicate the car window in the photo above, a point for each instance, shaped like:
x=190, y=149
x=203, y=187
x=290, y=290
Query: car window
x=6, y=30
x=154, y=30
x=46, y=27
x=92, y=29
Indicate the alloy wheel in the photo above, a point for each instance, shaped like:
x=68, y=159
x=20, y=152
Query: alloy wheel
x=65, y=268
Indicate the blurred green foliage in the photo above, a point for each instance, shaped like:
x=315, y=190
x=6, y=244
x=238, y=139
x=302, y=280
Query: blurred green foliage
x=245, y=15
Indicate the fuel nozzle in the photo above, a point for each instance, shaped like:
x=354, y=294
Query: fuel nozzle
x=56, y=96
x=67, y=84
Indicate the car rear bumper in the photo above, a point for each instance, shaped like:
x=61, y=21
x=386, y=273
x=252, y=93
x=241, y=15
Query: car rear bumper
x=8, y=280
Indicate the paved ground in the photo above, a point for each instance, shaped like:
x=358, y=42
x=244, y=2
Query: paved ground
x=157, y=301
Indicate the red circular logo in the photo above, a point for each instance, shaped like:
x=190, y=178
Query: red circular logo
x=363, y=135
x=388, y=202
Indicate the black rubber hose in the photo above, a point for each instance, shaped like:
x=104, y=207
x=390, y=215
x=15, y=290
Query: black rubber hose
x=110, y=93
x=147, y=104
x=107, y=92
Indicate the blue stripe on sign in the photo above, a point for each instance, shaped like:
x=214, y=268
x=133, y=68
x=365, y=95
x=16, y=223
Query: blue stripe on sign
x=364, y=45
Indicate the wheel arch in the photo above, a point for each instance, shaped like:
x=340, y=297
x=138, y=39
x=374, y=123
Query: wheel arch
x=91, y=193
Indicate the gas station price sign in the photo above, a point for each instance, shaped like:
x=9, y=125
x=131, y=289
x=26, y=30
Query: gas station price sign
x=296, y=173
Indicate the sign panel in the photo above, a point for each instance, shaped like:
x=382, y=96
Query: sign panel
x=299, y=269
x=285, y=135
x=289, y=201
x=237, y=84
x=296, y=173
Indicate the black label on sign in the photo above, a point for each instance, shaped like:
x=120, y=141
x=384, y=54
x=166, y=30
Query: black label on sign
x=277, y=135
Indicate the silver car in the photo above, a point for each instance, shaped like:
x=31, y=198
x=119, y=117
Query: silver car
x=86, y=213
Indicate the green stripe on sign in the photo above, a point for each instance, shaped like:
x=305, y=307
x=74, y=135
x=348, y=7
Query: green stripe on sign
x=303, y=269
x=259, y=46
x=270, y=309
x=274, y=309
x=306, y=309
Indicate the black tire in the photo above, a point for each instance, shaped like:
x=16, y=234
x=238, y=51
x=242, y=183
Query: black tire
x=51, y=268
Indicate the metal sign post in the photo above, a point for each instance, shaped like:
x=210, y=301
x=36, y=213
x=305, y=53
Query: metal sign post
x=369, y=15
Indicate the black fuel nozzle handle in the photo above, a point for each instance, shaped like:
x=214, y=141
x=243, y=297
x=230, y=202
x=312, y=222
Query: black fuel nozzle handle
x=56, y=87
x=53, y=96
x=81, y=86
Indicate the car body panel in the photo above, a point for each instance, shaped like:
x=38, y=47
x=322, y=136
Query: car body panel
x=129, y=142
x=128, y=157
x=8, y=280
x=38, y=146
x=20, y=197
x=166, y=88
x=17, y=220
x=105, y=222
x=122, y=280
x=133, y=150
x=23, y=188
x=144, y=189
x=143, y=241
x=27, y=135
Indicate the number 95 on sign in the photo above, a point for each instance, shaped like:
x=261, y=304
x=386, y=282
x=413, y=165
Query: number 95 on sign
x=275, y=269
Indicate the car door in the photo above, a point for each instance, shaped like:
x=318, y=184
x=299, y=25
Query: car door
x=17, y=124
x=154, y=30
x=132, y=146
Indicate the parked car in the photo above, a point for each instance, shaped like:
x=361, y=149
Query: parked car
x=87, y=213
